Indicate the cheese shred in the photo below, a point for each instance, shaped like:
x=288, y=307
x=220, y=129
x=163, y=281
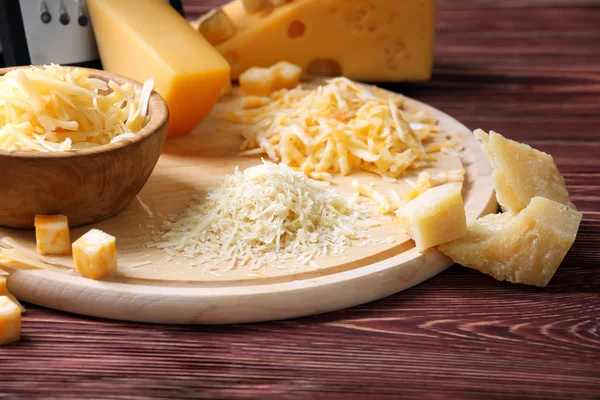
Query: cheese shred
x=56, y=108
x=340, y=127
x=264, y=214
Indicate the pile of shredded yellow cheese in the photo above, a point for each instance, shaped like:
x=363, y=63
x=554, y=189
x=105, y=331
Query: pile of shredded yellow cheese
x=337, y=128
x=57, y=108
x=264, y=214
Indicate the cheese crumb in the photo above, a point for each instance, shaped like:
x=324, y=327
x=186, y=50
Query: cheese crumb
x=264, y=214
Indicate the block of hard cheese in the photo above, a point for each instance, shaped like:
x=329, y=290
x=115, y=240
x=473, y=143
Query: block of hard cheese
x=522, y=172
x=385, y=40
x=143, y=39
x=524, y=248
x=10, y=321
x=435, y=217
x=52, y=235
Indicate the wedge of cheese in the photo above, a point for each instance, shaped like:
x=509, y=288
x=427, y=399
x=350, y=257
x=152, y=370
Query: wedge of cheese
x=437, y=216
x=52, y=235
x=386, y=40
x=143, y=39
x=524, y=248
x=522, y=172
x=10, y=321
x=95, y=254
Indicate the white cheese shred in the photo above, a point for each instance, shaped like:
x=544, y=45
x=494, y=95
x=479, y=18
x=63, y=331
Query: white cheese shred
x=264, y=214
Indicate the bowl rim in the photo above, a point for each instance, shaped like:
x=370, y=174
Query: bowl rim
x=157, y=109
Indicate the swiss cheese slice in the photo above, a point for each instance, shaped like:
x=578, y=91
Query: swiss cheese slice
x=143, y=39
x=385, y=40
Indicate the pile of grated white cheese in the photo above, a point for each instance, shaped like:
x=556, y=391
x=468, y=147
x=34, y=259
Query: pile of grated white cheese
x=264, y=214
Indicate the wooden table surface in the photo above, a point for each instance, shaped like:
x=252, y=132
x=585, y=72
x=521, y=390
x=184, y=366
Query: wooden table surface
x=528, y=69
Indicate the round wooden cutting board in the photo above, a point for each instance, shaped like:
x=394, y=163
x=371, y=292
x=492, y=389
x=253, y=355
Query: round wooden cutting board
x=152, y=287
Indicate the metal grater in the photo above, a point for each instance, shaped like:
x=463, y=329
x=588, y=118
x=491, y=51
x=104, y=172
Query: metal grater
x=49, y=31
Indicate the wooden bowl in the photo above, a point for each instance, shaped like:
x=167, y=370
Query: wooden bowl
x=86, y=185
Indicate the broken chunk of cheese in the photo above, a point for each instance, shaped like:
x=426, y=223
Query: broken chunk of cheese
x=264, y=81
x=437, y=216
x=95, y=254
x=215, y=26
x=388, y=40
x=52, y=235
x=143, y=39
x=524, y=248
x=522, y=172
x=10, y=321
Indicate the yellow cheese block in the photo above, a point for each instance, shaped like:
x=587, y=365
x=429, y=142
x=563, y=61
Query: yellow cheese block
x=522, y=172
x=52, y=235
x=95, y=254
x=435, y=217
x=143, y=39
x=10, y=321
x=384, y=40
x=524, y=248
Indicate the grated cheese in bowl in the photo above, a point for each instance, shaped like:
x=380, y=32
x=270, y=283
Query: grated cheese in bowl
x=55, y=108
x=264, y=214
x=339, y=127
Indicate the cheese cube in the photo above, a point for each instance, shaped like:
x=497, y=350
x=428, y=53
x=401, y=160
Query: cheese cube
x=253, y=6
x=381, y=41
x=143, y=39
x=10, y=321
x=522, y=172
x=95, y=254
x=258, y=81
x=524, y=248
x=287, y=75
x=435, y=217
x=216, y=27
x=52, y=235
x=3, y=290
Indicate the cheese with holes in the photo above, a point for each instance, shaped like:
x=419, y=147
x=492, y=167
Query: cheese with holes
x=524, y=248
x=522, y=172
x=143, y=39
x=437, y=216
x=95, y=254
x=10, y=321
x=52, y=235
x=371, y=40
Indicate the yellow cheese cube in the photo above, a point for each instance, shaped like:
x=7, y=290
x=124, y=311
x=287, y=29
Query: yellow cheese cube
x=3, y=290
x=52, y=235
x=10, y=321
x=287, y=75
x=524, y=248
x=387, y=40
x=435, y=217
x=95, y=254
x=258, y=81
x=143, y=39
x=253, y=6
x=216, y=27
x=522, y=172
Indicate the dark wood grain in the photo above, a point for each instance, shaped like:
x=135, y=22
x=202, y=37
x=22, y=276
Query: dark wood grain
x=528, y=69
